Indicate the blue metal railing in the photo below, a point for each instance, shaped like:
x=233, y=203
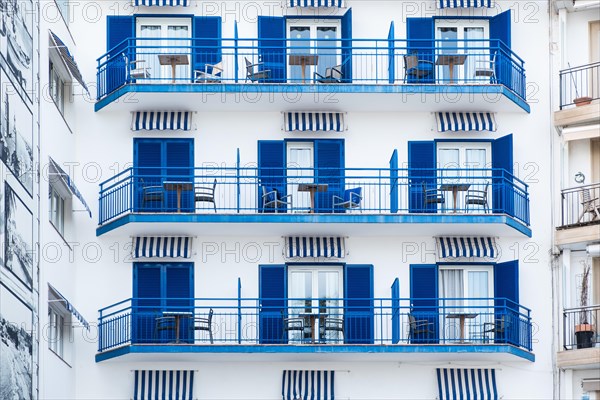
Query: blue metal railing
x=243, y=190
x=362, y=61
x=375, y=321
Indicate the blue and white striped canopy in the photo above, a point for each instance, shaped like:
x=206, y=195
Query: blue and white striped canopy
x=313, y=246
x=68, y=306
x=467, y=247
x=314, y=121
x=452, y=121
x=465, y=3
x=467, y=383
x=161, y=120
x=162, y=246
x=163, y=385
x=161, y=3
x=56, y=171
x=317, y=3
x=308, y=385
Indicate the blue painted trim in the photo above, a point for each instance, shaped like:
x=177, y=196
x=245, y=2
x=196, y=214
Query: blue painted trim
x=315, y=349
x=490, y=90
x=314, y=219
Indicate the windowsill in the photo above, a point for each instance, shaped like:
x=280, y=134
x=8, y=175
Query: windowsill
x=60, y=234
x=61, y=359
x=62, y=116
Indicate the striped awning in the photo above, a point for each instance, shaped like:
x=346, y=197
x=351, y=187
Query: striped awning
x=452, y=121
x=163, y=385
x=465, y=3
x=161, y=3
x=318, y=3
x=311, y=246
x=68, y=59
x=57, y=297
x=467, y=247
x=55, y=172
x=464, y=383
x=314, y=121
x=162, y=246
x=308, y=385
x=161, y=120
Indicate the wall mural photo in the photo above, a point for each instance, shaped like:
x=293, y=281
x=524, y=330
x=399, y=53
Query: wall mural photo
x=18, y=234
x=16, y=133
x=16, y=40
x=16, y=347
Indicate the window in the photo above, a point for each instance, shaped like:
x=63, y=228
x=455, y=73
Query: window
x=57, y=88
x=56, y=333
x=313, y=37
x=57, y=210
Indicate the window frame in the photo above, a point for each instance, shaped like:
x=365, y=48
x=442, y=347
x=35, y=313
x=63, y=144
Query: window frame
x=59, y=222
x=57, y=87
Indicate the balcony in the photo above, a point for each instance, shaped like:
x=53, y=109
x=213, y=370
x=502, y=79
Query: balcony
x=580, y=219
x=581, y=338
x=476, y=76
x=393, y=329
x=244, y=198
x=579, y=95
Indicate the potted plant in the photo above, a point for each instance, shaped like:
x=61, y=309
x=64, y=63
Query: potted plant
x=584, y=331
x=579, y=101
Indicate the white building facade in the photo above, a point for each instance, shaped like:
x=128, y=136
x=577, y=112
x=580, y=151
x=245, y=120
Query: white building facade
x=295, y=200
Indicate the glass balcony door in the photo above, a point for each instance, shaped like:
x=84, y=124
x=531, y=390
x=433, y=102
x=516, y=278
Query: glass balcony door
x=300, y=169
x=313, y=37
x=461, y=38
x=166, y=37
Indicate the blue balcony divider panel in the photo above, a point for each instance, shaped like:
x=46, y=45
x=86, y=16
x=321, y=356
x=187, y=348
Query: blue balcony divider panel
x=347, y=46
x=329, y=162
x=207, y=45
x=420, y=34
x=147, y=162
x=179, y=294
x=506, y=286
x=146, y=305
x=358, y=310
x=396, y=311
x=391, y=56
x=421, y=171
x=424, y=295
x=394, y=182
x=502, y=189
x=178, y=165
x=163, y=385
x=466, y=383
x=271, y=168
x=272, y=47
x=272, y=293
x=118, y=29
x=500, y=35
x=308, y=385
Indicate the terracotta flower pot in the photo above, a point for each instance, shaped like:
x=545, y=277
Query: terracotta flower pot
x=582, y=101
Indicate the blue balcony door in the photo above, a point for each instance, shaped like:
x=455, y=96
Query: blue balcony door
x=318, y=38
x=159, y=288
x=166, y=36
x=461, y=37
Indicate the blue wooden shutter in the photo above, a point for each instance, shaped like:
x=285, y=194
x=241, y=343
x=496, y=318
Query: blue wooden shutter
x=147, y=162
x=347, y=46
x=146, y=301
x=272, y=47
x=358, y=310
x=394, y=182
x=502, y=163
x=506, y=286
x=179, y=293
x=500, y=35
x=391, y=56
x=421, y=170
x=118, y=28
x=178, y=165
x=424, y=304
x=420, y=34
x=329, y=163
x=272, y=294
x=271, y=167
x=207, y=43
x=396, y=311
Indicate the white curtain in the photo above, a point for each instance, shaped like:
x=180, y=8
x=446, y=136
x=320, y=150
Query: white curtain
x=179, y=46
x=300, y=157
x=451, y=287
x=475, y=52
x=149, y=50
